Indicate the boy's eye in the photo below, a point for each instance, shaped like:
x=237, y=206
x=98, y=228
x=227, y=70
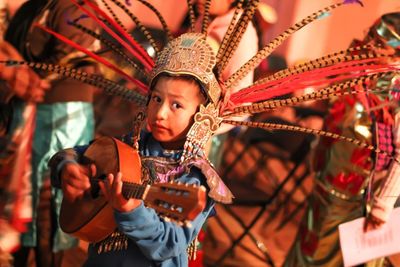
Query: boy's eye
x=156, y=98
x=176, y=105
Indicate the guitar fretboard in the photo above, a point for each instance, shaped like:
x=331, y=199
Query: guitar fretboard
x=131, y=190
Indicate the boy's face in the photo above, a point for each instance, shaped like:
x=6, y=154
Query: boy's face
x=173, y=103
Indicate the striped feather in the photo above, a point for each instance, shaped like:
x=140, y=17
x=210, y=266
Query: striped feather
x=206, y=18
x=284, y=127
x=316, y=78
x=236, y=36
x=99, y=59
x=160, y=18
x=191, y=15
x=351, y=87
x=108, y=86
x=268, y=49
x=113, y=48
x=327, y=60
x=141, y=27
x=229, y=31
x=116, y=19
x=133, y=47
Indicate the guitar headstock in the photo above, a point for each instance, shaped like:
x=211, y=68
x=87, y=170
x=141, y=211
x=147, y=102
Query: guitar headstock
x=176, y=201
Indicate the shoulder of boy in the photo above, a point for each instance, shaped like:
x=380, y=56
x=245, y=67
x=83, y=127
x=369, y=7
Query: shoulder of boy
x=218, y=191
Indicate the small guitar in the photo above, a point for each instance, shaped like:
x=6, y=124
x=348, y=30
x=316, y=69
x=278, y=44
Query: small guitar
x=91, y=218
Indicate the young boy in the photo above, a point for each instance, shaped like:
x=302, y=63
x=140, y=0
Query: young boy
x=182, y=81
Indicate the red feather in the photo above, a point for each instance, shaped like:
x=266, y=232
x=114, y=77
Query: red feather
x=316, y=78
x=144, y=56
x=141, y=86
x=148, y=66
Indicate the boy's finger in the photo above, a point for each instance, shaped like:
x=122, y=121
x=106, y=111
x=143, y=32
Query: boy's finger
x=118, y=184
x=76, y=177
x=72, y=170
x=71, y=193
x=109, y=181
x=93, y=170
x=85, y=170
x=104, y=190
x=114, y=183
x=79, y=183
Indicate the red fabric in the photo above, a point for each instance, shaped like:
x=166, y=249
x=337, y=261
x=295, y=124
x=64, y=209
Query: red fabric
x=15, y=207
x=347, y=182
x=395, y=92
x=385, y=143
x=22, y=170
x=198, y=262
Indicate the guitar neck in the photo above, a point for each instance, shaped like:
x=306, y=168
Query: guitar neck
x=131, y=190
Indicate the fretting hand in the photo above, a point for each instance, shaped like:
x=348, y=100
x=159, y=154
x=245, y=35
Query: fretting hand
x=112, y=190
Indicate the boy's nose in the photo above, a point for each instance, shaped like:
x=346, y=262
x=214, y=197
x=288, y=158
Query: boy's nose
x=162, y=112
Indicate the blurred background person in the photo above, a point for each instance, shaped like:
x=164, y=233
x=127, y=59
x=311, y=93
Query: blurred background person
x=63, y=119
x=352, y=182
x=20, y=88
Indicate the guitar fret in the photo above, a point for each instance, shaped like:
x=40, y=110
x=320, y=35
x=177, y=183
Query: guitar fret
x=130, y=190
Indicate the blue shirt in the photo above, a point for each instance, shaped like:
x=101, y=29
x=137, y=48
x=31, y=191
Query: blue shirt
x=151, y=240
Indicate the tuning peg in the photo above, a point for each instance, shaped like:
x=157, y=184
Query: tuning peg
x=188, y=224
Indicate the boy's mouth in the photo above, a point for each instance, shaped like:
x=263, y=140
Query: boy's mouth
x=159, y=126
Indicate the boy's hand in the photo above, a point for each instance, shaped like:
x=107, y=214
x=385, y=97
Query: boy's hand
x=112, y=190
x=75, y=180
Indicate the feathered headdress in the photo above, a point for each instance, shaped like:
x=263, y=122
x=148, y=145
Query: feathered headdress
x=340, y=73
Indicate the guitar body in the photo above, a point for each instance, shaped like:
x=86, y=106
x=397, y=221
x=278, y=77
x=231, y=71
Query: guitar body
x=91, y=218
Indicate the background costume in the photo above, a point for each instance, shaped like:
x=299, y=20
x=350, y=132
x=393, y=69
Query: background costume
x=350, y=179
x=63, y=120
